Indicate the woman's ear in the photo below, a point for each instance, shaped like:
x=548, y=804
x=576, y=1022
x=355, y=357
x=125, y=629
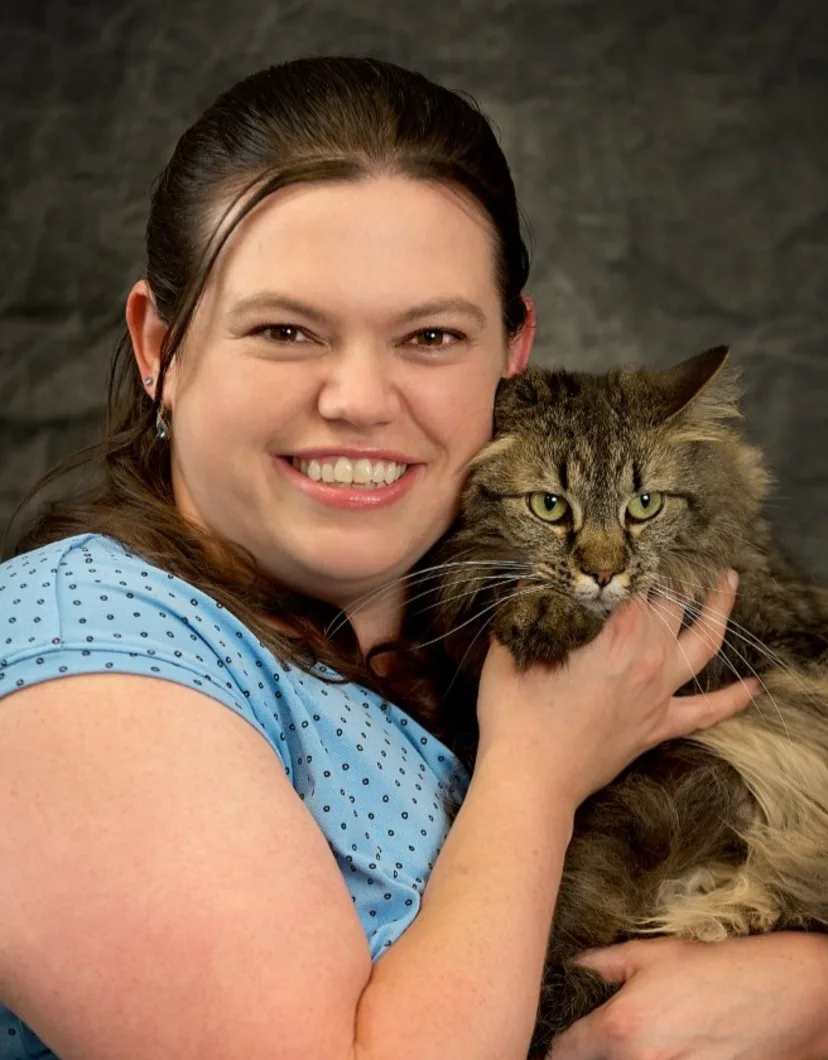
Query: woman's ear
x=520, y=345
x=147, y=331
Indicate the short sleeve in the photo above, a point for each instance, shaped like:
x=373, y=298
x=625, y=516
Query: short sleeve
x=85, y=606
x=374, y=780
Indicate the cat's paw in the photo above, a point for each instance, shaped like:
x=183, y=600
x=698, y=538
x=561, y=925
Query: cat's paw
x=544, y=629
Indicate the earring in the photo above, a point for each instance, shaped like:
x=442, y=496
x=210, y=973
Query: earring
x=162, y=431
x=148, y=381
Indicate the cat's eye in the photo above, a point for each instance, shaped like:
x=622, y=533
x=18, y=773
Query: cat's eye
x=548, y=506
x=645, y=506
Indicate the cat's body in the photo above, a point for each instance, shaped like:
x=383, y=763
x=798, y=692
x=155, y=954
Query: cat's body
x=725, y=833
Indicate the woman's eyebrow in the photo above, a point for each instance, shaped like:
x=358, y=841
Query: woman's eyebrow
x=270, y=300
x=443, y=305
x=267, y=300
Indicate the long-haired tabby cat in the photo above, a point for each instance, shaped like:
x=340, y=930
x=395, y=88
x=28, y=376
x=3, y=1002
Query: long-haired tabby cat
x=637, y=483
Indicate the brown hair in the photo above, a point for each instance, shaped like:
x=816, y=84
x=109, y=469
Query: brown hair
x=318, y=119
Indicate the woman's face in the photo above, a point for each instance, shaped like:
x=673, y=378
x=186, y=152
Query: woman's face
x=353, y=331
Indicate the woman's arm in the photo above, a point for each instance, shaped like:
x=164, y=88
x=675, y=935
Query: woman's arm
x=164, y=891
x=463, y=981
x=473, y=958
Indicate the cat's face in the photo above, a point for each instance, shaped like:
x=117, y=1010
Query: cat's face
x=608, y=486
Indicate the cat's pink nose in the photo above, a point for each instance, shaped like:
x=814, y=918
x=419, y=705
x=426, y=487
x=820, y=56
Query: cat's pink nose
x=603, y=577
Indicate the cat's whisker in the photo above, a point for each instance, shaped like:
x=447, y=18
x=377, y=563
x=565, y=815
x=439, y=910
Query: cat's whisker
x=759, y=645
x=727, y=620
x=663, y=620
x=490, y=607
x=711, y=571
x=477, y=582
x=413, y=578
x=721, y=655
x=736, y=629
x=481, y=584
x=729, y=664
x=767, y=691
x=742, y=658
x=762, y=649
x=466, y=653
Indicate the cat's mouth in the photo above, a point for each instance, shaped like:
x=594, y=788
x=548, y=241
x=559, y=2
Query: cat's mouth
x=600, y=606
x=602, y=598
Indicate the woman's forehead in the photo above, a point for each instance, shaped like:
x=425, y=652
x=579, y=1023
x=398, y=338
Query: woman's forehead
x=404, y=240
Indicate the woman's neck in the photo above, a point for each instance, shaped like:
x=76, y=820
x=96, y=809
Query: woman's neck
x=374, y=619
x=377, y=620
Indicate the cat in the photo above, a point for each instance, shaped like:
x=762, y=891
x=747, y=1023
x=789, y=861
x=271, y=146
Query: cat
x=595, y=489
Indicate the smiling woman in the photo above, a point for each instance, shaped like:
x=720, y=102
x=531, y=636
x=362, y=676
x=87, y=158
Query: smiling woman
x=225, y=826
x=367, y=347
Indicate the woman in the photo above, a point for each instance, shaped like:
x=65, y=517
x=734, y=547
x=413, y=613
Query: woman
x=333, y=290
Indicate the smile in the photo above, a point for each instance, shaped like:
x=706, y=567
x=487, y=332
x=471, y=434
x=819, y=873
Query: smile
x=334, y=480
x=342, y=471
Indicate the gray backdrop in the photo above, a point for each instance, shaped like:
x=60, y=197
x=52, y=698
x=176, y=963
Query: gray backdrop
x=671, y=159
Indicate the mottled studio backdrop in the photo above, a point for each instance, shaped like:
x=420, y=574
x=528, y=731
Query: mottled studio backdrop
x=672, y=159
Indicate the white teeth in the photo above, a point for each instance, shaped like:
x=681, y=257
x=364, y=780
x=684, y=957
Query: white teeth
x=342, y=471
x=362, y=472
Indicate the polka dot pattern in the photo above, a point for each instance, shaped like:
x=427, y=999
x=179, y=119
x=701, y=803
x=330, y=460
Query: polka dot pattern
x=371, y=776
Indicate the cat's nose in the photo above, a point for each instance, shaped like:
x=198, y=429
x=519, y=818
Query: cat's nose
x=603, y=577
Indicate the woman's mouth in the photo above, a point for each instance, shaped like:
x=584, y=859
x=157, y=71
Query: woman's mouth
x=352, y=483
x=344, y=471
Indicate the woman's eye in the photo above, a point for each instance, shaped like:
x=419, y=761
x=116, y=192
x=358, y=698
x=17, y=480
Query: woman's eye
x=435, y=338
x=286, y=333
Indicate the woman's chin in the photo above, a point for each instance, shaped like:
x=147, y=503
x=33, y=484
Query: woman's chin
x=359, y=573
x=334, y=571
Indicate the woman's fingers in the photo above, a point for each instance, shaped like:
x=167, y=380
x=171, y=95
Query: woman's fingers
x=703, y=639
x=687, y=714
x=670, y=613
x=696, y=645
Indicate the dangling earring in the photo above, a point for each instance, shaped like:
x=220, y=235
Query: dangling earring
x=162, y=431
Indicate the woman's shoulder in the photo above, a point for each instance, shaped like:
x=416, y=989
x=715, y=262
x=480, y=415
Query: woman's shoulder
x=77, y=563
x=71, y=588
x=87, y=604
x=37, y=587
x=47, y=559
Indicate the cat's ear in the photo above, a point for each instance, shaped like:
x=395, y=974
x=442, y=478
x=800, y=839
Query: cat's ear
x=516, y=395
x=674, y=389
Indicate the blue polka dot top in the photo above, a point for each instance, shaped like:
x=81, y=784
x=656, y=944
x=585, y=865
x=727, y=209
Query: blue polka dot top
x=371, y=776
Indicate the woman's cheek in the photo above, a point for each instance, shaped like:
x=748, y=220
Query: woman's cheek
x=473, y=422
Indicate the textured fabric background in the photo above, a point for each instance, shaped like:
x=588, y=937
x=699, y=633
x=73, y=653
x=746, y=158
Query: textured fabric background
x=671, y=159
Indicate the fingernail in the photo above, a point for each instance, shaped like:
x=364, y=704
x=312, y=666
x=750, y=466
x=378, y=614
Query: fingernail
x=733, y=579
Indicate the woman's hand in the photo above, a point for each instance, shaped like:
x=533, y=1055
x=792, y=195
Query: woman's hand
x=758, y=998
x=614, y=698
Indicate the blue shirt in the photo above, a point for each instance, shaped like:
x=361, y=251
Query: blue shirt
x=371, y=776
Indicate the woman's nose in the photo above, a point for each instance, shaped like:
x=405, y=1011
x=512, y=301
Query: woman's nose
x=358, y=388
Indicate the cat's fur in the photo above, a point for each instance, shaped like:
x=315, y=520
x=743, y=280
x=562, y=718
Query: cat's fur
x=724, y=833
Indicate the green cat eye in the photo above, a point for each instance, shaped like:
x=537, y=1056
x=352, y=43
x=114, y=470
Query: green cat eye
x=548, y=506
x=645, y=506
